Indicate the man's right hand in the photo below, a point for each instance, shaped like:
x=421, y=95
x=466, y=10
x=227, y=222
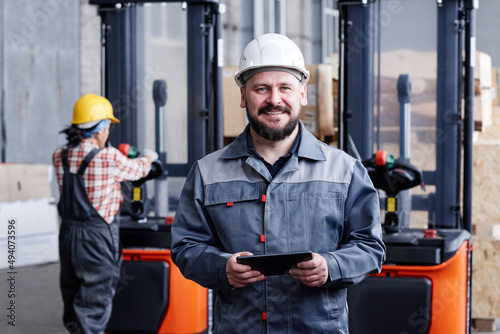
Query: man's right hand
x=241, y=275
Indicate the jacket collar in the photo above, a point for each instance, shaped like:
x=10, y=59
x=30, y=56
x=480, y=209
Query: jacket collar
x=309, y=148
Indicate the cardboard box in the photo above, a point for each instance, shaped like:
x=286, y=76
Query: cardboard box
x=486, y=183
x=482, y=71
x=29, y=232
x=234, y=116
x=485, y=278
x=318, y=115
x=24, y=181
x=495, y=76
x=486, y=231
x=483, y=108
x=335, y=66
x=484, y=325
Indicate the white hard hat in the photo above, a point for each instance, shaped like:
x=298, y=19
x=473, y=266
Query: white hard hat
x=271, y=52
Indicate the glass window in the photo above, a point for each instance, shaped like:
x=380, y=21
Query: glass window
x=408, y=47
x=165, y=57
x=330, y=35
x=407, y=42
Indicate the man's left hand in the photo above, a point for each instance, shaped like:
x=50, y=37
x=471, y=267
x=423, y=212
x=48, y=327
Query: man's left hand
x=312, y=273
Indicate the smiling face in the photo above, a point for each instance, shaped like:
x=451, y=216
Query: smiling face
x=273, y=100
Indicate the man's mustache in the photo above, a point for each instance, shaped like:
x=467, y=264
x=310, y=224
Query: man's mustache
x=270, y=108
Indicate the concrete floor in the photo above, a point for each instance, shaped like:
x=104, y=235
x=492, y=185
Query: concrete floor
x=38, y=301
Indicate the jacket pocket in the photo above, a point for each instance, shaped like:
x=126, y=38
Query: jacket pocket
x=230, y=192
x=317, y=217
x=235, y=212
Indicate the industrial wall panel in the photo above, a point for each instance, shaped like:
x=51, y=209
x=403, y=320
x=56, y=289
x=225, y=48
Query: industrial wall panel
x=40, y=76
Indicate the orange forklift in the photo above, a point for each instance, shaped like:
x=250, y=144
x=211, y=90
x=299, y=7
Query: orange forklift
x=406, y=86
x=152, y=295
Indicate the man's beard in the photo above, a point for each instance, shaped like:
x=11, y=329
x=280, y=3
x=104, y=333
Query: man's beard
x=270, y=133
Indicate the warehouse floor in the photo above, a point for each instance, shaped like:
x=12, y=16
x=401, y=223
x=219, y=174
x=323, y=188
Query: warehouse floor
x=38, y=301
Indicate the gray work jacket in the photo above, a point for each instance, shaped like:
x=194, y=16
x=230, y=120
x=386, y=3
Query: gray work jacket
x=322, y=201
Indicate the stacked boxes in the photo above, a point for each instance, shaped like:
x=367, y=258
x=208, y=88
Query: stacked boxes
x=483, y=92
x=24, y=182
x=29, y=223
x=318, y=115
x=234, y=116
x=486, y=223
x=486, y=188
x=485, y=209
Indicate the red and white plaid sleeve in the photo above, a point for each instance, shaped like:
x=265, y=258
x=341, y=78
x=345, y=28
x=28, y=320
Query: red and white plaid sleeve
x=102, y=178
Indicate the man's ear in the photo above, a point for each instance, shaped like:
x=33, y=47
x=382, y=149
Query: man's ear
x=243, y=103
x=303, y=95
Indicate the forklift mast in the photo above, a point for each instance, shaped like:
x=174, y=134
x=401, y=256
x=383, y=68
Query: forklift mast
x=361, y=24
x=155, y=297
x=119, y=61
x=381, y=42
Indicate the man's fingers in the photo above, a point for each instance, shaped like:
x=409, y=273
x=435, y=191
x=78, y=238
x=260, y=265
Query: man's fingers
x=241, y=275
x=313, y=272
x=244, y=279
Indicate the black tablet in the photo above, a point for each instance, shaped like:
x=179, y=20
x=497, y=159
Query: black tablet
x=274, y=264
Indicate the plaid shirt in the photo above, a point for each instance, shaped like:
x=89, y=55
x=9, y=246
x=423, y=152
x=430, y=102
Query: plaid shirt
x=102, y=177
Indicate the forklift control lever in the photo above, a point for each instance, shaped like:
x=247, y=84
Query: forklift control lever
x=157, y=168
x=392, y=176
x=139, y=201
x=156, y=171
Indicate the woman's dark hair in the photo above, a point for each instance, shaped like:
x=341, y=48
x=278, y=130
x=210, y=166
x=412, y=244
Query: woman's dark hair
x=73, y=135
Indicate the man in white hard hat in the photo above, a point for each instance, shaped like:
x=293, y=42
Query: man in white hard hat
x=277, y=189
x=89, y=174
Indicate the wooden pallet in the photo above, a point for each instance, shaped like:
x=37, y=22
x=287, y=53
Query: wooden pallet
x=484, y=325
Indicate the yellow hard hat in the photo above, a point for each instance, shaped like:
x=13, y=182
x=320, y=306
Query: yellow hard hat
x=92, y=107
